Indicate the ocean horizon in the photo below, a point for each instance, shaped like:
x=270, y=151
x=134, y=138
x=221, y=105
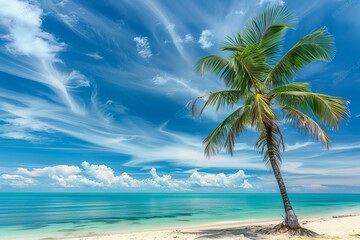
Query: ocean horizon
x=65, y=215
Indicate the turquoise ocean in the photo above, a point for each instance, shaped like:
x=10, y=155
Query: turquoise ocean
x=59, y=215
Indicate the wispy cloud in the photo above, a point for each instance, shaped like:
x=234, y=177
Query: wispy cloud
x=239, y=12
x=176, y=85
x=157, y=10
x=69, y=19
x=36, y=51
x=23, y=129
x=280, y=2
x=345, y=147
x=297, y=146
x=143, y=47
x=95, y=56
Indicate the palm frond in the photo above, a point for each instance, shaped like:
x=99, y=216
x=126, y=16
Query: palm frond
x=272, y=42
x=263, y=24
x=212, y=63
x=215, y=141
x=328, y=109
x=291, y=87
x=228, y=69
x=233, y=43
x=193, y=103
x=237, y=127
x=252, y=66
x=318, y=45
x=262, y=114
x=303, y=121
x=219, y=100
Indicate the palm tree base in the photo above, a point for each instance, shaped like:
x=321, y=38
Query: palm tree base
x=283, y=228
x=291, y=219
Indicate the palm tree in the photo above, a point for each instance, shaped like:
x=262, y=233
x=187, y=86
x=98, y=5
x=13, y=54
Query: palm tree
x=259, y=78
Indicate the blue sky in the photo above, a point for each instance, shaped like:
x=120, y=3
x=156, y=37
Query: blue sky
x=93, y=95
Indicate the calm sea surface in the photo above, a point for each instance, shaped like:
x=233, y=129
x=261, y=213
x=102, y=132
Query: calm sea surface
x=42, y=215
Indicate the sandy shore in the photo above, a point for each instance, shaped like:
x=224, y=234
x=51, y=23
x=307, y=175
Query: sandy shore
x=334, y=227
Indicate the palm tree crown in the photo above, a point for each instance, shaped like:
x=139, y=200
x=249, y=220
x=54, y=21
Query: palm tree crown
x=259, y=77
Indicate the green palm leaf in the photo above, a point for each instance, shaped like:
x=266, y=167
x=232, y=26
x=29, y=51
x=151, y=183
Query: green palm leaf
x=318, y=45
x=303, y=121
x=234, y=43
x=243, y=121
x=219, y=100
x=216, y=140
x=262, y=25
x=291, y=87
x=212, y=63
x=328, y=109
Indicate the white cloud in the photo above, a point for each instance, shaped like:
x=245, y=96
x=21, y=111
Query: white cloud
x=166, y=181
x=160, y=80
x=159, y=13
x=17, y=181
x=345, y=147
x=297, y=146
x=275, y=2
x=94, y=55
x=63, y=175
x=239, y=12
x=143, y=47
x=92, y=175
x=63, y=3
x=246, y=184
x=26, y=123
x=25, y=37
x=33, y=51
x=18, y=135
x=22, y=129
x=69, y=19
x=315, y=186
x=188, y=38
x=175, y=85
x=205, y=39
x=59, y=170
x=175, y=37
x=106, y=175
x=76, y=80
x=74, y=181
x=219, y=180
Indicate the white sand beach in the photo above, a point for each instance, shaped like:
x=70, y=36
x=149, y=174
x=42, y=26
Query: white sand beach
x=333, y=227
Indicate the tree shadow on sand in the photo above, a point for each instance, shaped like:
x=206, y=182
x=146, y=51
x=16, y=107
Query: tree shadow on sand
x=250, y=232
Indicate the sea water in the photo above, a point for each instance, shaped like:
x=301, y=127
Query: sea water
x=59, y=215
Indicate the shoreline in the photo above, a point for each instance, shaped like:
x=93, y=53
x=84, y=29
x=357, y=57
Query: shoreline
x=341, y=226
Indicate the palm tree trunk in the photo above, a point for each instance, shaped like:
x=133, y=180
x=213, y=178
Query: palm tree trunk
x=291, y=220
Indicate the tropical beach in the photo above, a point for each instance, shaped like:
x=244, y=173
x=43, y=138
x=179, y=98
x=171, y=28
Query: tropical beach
x=335, y=227
x=156, y=119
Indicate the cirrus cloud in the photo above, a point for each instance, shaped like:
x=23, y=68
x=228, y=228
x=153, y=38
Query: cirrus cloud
x=143, y=47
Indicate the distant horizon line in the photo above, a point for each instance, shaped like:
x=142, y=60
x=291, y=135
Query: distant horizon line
x=184, y=192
